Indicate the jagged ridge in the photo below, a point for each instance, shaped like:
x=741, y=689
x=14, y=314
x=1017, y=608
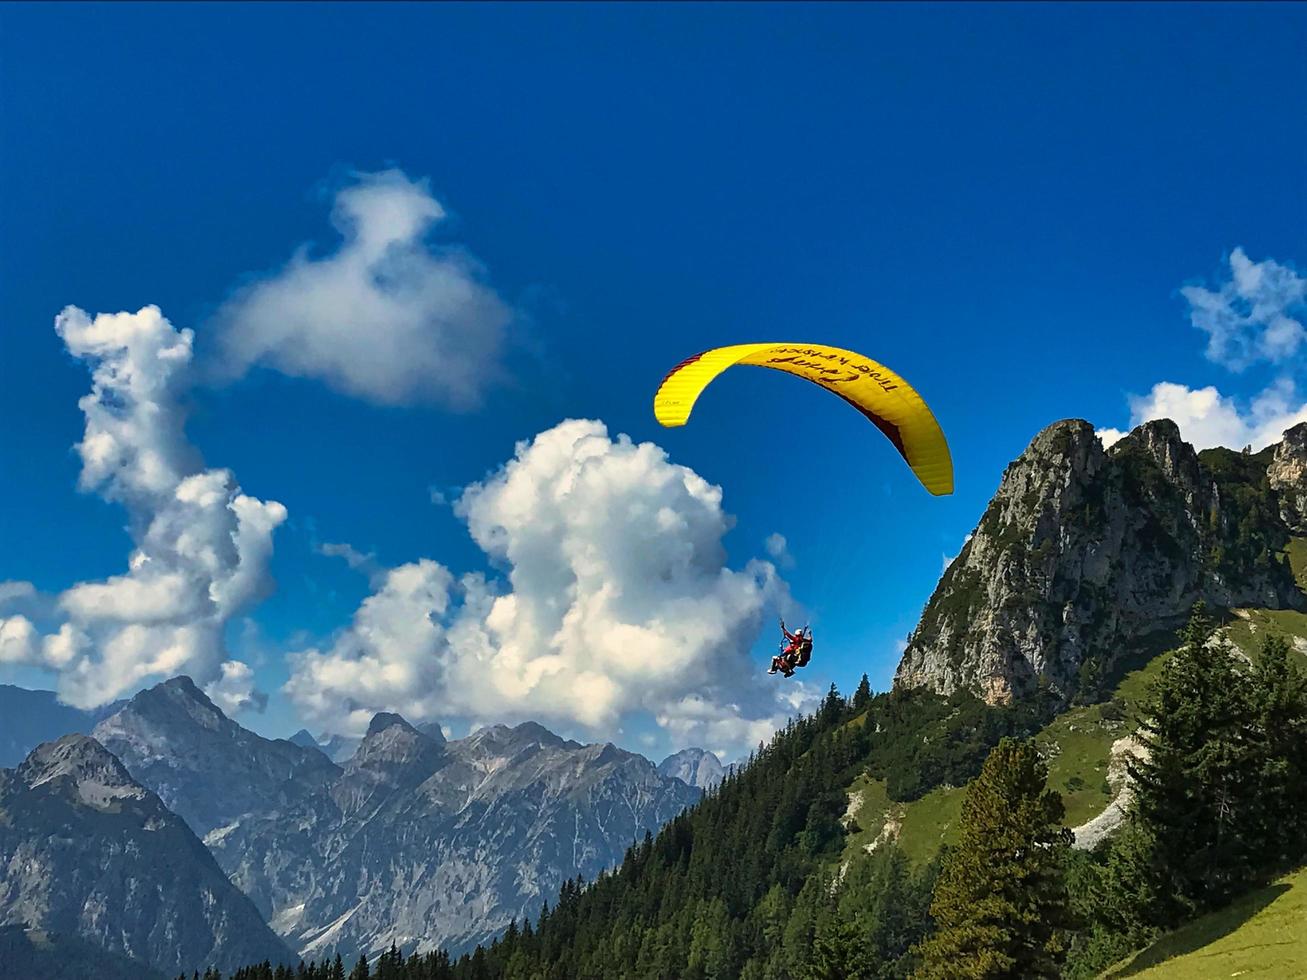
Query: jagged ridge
x=413, y=839
x=1083, y=552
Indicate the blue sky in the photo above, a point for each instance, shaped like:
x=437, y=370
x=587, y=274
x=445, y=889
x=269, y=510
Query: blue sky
x=1003, y=203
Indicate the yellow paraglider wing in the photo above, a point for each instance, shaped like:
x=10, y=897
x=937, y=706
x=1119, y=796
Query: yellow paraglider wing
x=873, y=389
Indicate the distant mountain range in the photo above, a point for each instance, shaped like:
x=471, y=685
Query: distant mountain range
x=341, y=845
x=413, y=840
x=400, y=836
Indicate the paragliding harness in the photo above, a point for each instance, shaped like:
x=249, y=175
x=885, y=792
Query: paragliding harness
x=796, y=651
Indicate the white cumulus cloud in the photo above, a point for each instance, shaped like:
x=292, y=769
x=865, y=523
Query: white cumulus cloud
x=19, y=641
x=1109, y=436
x=386, y=317
x=233, y=689
x=617, y=600
x=201, y=546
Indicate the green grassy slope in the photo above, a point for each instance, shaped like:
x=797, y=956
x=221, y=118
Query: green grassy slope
x=1263, y=934
x=1077, y=744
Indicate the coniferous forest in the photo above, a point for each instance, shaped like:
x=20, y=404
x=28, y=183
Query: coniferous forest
x=750, y=882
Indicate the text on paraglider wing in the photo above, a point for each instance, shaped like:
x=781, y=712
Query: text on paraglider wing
x=811, y=359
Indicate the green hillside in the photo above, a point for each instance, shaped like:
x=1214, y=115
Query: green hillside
x=1263, y=934
x=1077, y=745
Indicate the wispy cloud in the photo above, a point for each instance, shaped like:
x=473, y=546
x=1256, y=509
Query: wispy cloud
x=779, y=550
x=1254, y=315
x=366, y=563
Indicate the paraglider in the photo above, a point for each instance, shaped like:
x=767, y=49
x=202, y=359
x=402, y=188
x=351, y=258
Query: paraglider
x=796, y=651
x=883, y=398
x=887, y=401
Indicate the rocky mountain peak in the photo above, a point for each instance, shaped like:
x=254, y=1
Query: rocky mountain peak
x=530, y=731
x=694, y=767
x=392, y=753
x=304, y=739
x=1083, y=552
x=385, y=719
x=89, y=852
x=1160, y=440
x=179, y=700
x=1287, y=474
x=433, y=731
x=205, y=767
x=84, y=767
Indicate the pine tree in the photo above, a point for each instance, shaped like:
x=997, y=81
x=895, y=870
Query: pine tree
x=1280, y=705
x=1195, y=790
x=1000, y=901
x=838, y=952
x=360, y=971
x=862, y=696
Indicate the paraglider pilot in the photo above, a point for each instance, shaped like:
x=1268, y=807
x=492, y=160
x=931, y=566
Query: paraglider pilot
x=796, y=651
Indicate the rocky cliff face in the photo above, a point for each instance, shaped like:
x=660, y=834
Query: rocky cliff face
x=86, y=852
x=1287, y=475
x=205, y=767
x=1083, y=552
x=414, y=839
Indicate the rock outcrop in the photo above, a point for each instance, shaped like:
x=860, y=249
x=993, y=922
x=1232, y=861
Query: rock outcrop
x=86, y=852
x=1287, y=475
x=1083, y=552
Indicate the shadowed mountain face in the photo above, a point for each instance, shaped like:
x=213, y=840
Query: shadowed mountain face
x=414, y=839
x=1083, y=551
x=86, y=852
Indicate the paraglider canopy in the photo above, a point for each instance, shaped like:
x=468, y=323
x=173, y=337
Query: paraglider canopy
x=885, y=399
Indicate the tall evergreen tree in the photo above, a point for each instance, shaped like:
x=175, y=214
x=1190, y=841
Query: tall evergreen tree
x=838, y=952
x=1000, y=901
x=862, y=696
x=1280, y=709
x=1197, y=785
